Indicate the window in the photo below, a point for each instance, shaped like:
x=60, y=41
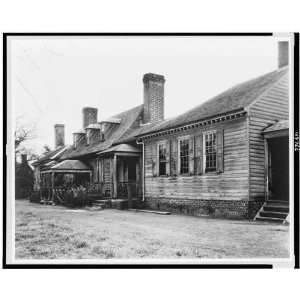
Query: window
x=162, y=159
x=210, y=152
x=184, y=156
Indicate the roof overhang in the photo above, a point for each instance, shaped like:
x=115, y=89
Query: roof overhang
x=207, y=121
x=276, y=133
x=278, y=129
x=68, y=166
x=122, y=149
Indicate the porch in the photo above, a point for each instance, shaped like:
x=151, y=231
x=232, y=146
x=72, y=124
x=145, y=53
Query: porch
x=119, y=170
x=60, y=178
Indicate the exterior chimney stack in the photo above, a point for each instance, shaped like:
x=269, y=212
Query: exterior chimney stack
x=89, y=116
x=283, y=54
x=59, y=132
x=153, y=98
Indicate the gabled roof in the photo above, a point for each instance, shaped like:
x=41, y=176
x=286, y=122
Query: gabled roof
x=234, y=99
x=114, y=132
x=279, y=125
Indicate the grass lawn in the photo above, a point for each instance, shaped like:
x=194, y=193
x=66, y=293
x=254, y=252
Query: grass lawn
x=54, y=232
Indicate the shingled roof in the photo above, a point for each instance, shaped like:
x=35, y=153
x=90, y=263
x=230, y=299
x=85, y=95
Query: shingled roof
x=53, y=154
x=71, y=165
x=234, y=99
x=114, y=132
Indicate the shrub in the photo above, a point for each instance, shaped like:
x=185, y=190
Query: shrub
x=76, y=197
x=35, y=197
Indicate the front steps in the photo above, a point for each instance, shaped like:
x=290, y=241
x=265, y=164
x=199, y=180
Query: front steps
x=273, y=211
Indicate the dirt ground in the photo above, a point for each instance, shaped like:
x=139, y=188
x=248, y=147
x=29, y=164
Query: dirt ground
x=54, y=232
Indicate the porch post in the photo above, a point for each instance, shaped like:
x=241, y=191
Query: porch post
x=115, y=184
x=52, y=186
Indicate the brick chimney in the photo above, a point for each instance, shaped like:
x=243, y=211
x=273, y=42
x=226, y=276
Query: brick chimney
x=153, y=97
x=59, y=132
x=24, y=159
x=283, y=54
x=89, y=115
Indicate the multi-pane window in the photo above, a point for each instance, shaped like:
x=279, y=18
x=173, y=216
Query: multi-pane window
x=184, y=156
x=162, y=159
x=210, y=151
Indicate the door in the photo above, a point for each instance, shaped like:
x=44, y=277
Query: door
x=279, y=168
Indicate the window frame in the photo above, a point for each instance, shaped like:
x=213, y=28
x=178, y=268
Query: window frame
x=204, y=151
x=179, y=139
x=161, y=143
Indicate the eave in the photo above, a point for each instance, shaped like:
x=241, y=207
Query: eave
x=208, y=121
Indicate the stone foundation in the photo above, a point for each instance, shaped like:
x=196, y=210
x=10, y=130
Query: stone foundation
x=232, y=209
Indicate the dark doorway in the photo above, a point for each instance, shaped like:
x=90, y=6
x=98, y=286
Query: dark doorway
x=279, y=168
x=131, y=169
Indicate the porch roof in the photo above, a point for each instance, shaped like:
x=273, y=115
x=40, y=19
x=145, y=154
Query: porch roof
x=125, y=148
x=69, y=166
x=279, y=125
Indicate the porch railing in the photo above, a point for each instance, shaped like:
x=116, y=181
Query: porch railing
x=102, y=188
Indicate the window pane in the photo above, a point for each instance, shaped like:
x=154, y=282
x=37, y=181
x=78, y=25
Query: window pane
x=210, y=151
x=162, y=159
x=184, y=156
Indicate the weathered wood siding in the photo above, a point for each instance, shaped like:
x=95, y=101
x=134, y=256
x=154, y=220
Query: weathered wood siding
x=231, y=184
x=270, y=107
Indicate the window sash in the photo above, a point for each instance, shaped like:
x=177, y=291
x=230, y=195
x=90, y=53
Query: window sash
x=162, y=159
x=210, y=151
x=183, y=153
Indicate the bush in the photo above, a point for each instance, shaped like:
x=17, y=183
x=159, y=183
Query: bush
x=76, y=197
x=35, y=197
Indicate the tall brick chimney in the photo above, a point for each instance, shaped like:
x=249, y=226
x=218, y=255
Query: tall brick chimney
x=59, y=132
x=89, y=115
x=153, y=97
x=283, y=54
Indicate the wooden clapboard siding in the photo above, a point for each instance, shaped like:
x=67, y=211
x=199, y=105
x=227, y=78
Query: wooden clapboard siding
x=231, y=184
x=270, y=107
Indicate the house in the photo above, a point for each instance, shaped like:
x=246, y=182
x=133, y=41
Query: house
x=226, y=157
x=23, y=178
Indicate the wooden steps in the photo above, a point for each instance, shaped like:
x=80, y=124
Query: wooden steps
x=273, y=211
x=101, y=203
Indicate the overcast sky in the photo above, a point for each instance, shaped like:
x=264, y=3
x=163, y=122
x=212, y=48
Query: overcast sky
x=52, y=79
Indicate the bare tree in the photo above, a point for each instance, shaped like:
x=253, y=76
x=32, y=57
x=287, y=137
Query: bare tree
x=46, y=149
x=23, y=132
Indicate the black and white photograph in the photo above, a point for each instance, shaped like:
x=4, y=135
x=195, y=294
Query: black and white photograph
x=150, y=149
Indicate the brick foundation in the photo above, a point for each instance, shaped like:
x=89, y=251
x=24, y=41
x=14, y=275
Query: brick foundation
x=234, y=209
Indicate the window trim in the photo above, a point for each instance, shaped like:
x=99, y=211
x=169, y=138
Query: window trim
x=180, y=138
x=204, y=151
